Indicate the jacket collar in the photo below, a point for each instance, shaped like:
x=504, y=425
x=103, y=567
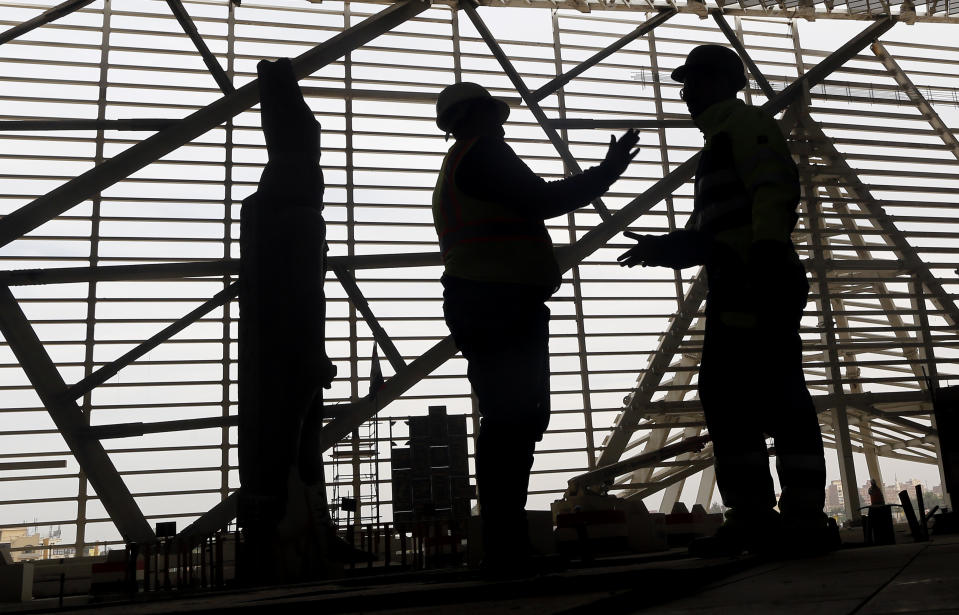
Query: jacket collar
x=712, y=119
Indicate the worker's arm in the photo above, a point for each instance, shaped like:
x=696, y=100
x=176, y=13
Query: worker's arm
x=680, y=249
x=492, y=171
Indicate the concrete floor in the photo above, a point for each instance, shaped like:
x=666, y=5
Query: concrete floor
x=903, y=578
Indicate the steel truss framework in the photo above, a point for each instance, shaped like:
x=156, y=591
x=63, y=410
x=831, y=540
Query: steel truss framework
x=882, y=317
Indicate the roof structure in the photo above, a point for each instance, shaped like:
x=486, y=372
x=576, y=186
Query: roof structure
x=132, y=137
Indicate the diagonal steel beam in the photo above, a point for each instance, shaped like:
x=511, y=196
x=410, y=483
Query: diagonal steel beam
x=213, y=520
x=646, y=384
x=618, y=124
x=219, y=75
x=619, y=437
x=51, y=14
x=737, y=44
x=695, y=467
x=530, y=101
x=122, y=165
x=603, y=232
x=109, y=370
x=928, y=112
x=910, y=257
x=350, y=416
x=560, y=80
x=911, y=261
x=363, y=307
x=69, y=419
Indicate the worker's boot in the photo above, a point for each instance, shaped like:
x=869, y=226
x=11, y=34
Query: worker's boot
x=808, y=535
x=744, y=531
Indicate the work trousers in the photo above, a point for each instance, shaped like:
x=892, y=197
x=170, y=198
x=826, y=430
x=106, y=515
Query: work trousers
x=503, y=332
x=751, y=385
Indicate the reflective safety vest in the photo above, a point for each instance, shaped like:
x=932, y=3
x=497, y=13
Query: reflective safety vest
x=488, y=241
x=747, y=190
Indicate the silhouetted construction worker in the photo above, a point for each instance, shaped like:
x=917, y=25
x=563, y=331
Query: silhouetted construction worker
x=751, y=380
x=489, y=210
x=283, y=365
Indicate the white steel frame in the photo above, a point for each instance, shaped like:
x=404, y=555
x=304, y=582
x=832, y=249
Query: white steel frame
x=875, y=293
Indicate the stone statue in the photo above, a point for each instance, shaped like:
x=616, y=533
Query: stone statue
x=283, y=366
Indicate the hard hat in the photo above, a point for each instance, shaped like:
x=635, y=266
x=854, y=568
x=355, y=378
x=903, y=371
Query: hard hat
x=448, y=105
x=713, y=57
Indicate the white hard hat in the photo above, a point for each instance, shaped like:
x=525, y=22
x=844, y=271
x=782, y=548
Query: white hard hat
x=449, y=107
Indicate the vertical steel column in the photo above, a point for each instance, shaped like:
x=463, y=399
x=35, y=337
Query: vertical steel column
x=457, y=54
x=840, y=419
x=351, y=250
x=226, y=319
x=928, y=356
x=574, y=271
x=664, y=152
x=86, y=404
x=851, y=369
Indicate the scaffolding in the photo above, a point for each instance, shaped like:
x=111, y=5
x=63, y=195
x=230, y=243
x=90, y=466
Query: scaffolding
x=130, y=136
x=356, y=475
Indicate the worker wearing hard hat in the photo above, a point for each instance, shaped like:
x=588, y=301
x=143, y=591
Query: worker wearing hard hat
x=751, y=381
x=489, y=210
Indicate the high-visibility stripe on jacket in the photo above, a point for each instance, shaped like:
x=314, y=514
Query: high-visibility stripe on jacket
x=487, y=241
x=747, y=190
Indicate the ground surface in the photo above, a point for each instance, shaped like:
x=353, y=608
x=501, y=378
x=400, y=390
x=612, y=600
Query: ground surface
x=903, y=578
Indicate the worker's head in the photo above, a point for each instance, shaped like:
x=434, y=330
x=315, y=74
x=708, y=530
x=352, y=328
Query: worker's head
x=465, y=109
x=712, y=73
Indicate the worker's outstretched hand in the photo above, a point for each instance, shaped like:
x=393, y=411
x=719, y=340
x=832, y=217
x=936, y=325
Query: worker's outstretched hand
x=622, y=151
x=679, y=249
x=645, y=252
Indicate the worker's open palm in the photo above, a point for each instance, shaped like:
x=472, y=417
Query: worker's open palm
x=645, y=252
x=622, y=151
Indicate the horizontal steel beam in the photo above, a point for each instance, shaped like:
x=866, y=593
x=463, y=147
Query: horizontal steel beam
x=822, y=402
x=140, y=125
x=132, y=430
x=198, y=269
x=619, y=124
x=32, y=465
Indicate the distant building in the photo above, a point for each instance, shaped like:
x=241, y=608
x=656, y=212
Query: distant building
x=26, y=545
x=834, y=495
